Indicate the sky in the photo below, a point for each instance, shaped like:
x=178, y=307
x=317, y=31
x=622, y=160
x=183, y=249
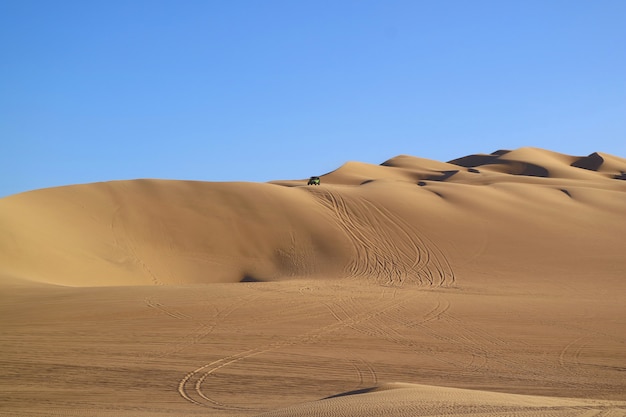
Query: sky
x=260, y=90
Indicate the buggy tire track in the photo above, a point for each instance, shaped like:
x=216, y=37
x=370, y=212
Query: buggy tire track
x=387, y=248
x=190, y=387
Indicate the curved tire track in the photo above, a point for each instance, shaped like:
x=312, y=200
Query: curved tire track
x=387, y=247
x=190, y=387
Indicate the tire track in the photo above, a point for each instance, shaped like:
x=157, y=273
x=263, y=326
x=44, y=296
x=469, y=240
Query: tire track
x=166, y=310
x=204, y=327
x=391, y=326
x=570, y=363
x=584, y=339
x=370, y=260
x=129, y=246
x=434, y=267
x=190, y=387
x=366, y=372
x=478, y=344
x=484, y=348
x=564, y=357
x=387, y=247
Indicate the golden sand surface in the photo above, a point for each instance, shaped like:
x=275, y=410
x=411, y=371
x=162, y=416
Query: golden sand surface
x=491, y=285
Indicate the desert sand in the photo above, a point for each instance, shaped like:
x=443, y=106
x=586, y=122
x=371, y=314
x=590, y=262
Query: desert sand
x=490, y=285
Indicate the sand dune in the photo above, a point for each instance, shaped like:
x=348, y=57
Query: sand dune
x=365, y=220
x=409, y=400
x=488, y=285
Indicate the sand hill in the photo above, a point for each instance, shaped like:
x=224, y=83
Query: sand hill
x=491, y=284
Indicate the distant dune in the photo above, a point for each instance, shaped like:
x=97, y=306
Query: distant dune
x=491, y=285
x=406, y=220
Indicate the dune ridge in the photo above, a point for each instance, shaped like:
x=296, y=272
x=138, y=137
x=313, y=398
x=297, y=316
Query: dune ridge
x=174, y=232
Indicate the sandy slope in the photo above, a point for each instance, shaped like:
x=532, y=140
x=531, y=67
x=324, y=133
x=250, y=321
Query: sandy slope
x=408, y=219
x=493, y=282
x=409, y=400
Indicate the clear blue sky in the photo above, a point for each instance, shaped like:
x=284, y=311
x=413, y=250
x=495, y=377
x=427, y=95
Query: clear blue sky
x=263, y=89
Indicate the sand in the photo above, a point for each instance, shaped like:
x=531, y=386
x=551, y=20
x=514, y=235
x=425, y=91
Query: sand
x=490, y=285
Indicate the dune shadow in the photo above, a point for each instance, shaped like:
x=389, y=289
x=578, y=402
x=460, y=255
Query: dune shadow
x=423, y=184
x=621, y=176
x=592, y=162
x=566, y=192
x=444, y=175
x=532, y=170
x=510, y=166
x=250, y=278
x=472, y=161
x=354, y=392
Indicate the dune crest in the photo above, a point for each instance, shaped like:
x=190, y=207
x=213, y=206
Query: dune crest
x=536, y=162
x=401, y=399
x=409, y=220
